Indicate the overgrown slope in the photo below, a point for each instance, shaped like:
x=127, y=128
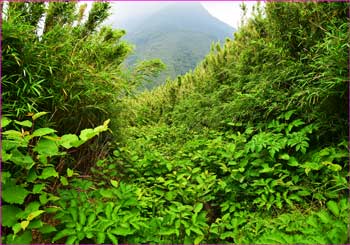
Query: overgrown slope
x=257, y=133
x=250, y=147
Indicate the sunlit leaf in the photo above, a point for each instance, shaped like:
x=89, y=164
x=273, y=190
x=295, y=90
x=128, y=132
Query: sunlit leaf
x=48, y=172
x=25, y=123
x=39, y=114
x=5, y=121
x=24, y=224
x=43, y=131
x=69, y=172
x=115, y=183
x=198, y=207
x=64, y=180
x=47, y=148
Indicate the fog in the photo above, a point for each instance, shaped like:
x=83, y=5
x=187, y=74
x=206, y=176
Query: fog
x=125, y=14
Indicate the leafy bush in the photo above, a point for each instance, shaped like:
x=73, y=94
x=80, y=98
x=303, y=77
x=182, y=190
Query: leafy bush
x=33, y=166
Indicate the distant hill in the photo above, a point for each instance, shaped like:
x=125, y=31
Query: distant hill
x=180, y=34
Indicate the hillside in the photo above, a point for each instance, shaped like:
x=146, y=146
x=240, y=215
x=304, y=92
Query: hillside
x=179, y=34
x=255, y=139
x=251, y=147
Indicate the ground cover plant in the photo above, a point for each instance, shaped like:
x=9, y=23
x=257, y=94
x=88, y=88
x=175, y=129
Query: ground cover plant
x=250, y=147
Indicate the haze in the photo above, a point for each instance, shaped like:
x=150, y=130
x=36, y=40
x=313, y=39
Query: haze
x=124, y=13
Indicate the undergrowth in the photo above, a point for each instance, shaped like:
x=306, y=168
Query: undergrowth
x=250, y=147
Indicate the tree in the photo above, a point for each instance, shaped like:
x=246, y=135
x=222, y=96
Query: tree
x=73, y=69
x=54, y=61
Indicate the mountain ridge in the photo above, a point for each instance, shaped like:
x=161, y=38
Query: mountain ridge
x=180, y=34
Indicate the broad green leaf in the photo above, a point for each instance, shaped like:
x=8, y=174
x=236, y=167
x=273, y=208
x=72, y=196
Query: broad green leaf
x=25, y=238
x=31, y=207
x=63, y=233
x=214, y=229
x=14, y=194
x=197, y=230
x=12, y=134
x=47, y=148
x=105, y=123
x=64, y=180
x=87, y=134
x=69, y=172
x=103, y=127
x=32, y=176
x=38, y=188
x=53, y=198
x=47, y=229
x=198, y=239
x=22, y=160
x=71, y=239
x=5, y=176
x=24, y=224
x=311, y=166
x=34, y=214
x=74, y=213
x=53, y=138
x=166, y=232
x=170, y=195
x=82, y=217
x=121, y=231
x=5, y=121
x=48, y=172
x=16, y=228
x=91, y=218
x=333, y=207
x=25, y=123
x=293, y=162
x=43, y=198
x=284, y=156
x=303, y=193
x=80, y=233
x=5, y=156
x=70, y=140
x=39, y=114
x=108, y=210
x=112, y=238
x=101, y=236
x=288, y=114
x=116, y=153
x=312, y=220
x=35, y=224
x=106, y=193
x=43, y=131
x=115, y=183
x=9, y=215
x=332, y=166
x=89, y=234
x=52, y=209
x=344, y=204
x=324, y=217
x=198, y=207
x=295, y=197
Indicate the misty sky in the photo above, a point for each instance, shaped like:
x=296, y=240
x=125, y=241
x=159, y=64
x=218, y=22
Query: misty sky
x=226, y=11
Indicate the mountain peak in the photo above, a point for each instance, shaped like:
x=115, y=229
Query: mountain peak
x=189, y=16
x=180, y=34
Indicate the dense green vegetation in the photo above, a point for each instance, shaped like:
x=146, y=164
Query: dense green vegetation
x=250, y=147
